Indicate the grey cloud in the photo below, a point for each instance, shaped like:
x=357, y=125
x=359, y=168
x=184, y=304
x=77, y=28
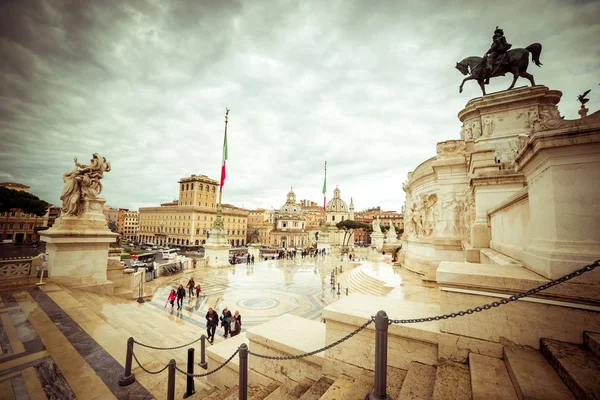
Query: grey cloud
x=370, y=87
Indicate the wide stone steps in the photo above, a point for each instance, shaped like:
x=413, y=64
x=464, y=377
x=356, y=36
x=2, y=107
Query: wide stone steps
x=578, y=367
x=359, y=281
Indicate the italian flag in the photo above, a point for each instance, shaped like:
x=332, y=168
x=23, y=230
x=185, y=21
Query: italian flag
x=324, y=191
x=223, y=174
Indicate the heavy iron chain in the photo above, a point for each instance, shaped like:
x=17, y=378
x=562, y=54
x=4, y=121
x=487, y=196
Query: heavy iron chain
x=498, y=303
x=142, y=367
x=295, y=357
x=166, y=348
x=210, y=372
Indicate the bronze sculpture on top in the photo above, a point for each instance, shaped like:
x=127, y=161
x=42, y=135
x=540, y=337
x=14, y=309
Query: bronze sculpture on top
x=499, y=60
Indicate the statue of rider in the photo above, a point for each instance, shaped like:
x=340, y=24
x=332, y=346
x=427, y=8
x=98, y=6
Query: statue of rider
x=496, y=53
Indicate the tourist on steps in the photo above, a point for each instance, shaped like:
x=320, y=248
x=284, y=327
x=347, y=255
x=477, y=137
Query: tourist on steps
x=191, y=285
x=211, y=324
x=226, y=321
x=237, y=323
x=180, y=296
x=198, y=290
x=171, y=299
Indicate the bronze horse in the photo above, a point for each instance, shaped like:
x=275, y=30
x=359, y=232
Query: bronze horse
x=518, y=61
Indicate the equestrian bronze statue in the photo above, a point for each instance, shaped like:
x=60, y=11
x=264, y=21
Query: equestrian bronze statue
x=499, y=60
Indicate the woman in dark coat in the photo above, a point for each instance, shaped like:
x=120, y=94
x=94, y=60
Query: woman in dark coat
x=212, y=321
x=237, y=320
x=226, y=321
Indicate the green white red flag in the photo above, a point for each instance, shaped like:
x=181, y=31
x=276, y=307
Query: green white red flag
x=223, y=172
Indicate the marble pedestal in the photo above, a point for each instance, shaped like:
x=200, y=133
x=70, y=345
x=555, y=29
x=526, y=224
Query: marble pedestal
x=77, y=247
x=323, y=242
x=254, y=250
x=377, y=240
x=216, y=249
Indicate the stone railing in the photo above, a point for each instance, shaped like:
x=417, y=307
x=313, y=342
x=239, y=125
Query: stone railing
x=18, y=271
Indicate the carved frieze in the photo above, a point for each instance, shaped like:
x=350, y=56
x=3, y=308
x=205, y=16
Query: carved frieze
x=489, y=124
x=451, y=147
x=421, y=215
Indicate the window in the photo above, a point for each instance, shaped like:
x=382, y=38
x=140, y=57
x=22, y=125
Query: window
x=21, y=226
x=333, y=217
x=213, y=189
x=13, y=214
x=207, y=188
x=30, y=226
x=182, y=186
x=200, y=187
x=342, y=217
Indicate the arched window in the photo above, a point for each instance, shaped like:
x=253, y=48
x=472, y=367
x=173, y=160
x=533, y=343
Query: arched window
x=200, y=187
x=213, y=189
x=182, y=187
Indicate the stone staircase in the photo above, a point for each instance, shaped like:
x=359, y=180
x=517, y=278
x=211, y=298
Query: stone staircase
x=360, y=280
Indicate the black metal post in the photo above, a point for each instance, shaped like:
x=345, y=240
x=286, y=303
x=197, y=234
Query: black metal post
x=346, y=291
x=171, y=381
x=141, y=290
x=189, y=387
x=341, y=269
x=243, y=374
x=128, y=378
x=203, y=363
x=336, y=272
x=338, y=292
x=381, y=340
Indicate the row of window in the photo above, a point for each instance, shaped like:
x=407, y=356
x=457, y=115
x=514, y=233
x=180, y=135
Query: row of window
x=190, y=186
x=14, y=214
x=229, y=219
x=12, y=226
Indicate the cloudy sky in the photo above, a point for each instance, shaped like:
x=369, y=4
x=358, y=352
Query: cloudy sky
x=369, y=86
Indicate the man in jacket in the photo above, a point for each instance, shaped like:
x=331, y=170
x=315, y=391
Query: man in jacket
x=180, y=296
x=212, y=320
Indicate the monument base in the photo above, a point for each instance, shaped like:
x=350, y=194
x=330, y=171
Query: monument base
x=216, y=249
x=77, y=247
x=377, y=240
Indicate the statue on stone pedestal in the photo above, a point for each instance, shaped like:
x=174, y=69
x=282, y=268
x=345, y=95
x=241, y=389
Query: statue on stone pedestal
x=376, y=225
x=83, y=183
x=582, y=99
x=499, y=60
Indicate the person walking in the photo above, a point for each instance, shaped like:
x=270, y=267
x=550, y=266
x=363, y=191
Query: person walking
x=252, y=259
x=198, y=290
x=237, y=323
x=171, y=299
x=226, y=321
x=212, y=321
x=180, y=296
x=191, y=285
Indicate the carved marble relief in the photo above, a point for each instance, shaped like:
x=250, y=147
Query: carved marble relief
x=451, y=147
x=476, y=129
x=489, y=124
x=421, y=216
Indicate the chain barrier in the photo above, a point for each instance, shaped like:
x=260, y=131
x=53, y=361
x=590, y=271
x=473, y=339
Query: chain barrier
x=312, y=353
x=142, y=367
x=210, y=372
x=498, y=303
x=166, y=348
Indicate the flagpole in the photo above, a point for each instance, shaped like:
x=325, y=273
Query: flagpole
x=223, y=158
x=219, y=219
x=325, y=194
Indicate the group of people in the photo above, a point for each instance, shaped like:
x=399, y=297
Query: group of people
x=179, y=294
x=232, y=324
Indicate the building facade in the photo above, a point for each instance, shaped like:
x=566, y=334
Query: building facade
x=131, y=224
x=187, y=221
x=289, y=228
x=366, y=217
x=17, y=225
x=336, y=211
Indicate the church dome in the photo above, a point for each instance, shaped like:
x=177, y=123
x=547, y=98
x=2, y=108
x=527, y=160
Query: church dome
x=290, y=206
x=336, y=204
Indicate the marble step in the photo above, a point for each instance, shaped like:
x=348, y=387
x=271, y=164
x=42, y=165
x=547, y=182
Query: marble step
x=290, y=390
x=358, y=283
x=576, y=366
x=419, y=382
x=532, y=376
x=254, y=393
x=490, y=379
x=317, y=389
x=264, y=391
x=223, y=393
x=452, y=381
x=341, y=388
x=395, y=380
x=592, y=341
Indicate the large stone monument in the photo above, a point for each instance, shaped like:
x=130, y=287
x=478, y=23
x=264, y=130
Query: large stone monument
x=78, y=242
x=391, y=236
x=377, y=237
x=324, y=242
x=216, y=249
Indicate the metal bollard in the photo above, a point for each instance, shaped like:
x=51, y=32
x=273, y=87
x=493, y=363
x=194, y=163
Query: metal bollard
x=128, y=378
x=243, y=374
x=171, y=381
x=189, y=387
x=346, y=291
x=341, y=269
x=381, y=340
x=338, y=292
x=203, y=363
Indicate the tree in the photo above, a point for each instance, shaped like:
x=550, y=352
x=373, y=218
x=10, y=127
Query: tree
x=27, y=202
x=348, y=226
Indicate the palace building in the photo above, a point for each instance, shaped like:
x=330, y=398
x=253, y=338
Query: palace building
x=187, y=220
